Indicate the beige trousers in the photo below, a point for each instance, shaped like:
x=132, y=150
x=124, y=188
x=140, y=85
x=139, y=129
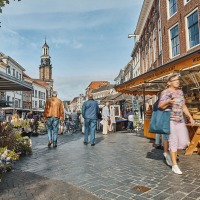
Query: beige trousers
x=105, y=126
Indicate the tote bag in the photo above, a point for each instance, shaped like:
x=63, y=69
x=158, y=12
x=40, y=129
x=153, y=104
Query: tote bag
x=160, y=120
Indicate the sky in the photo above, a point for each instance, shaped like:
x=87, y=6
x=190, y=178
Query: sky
x=88, y=39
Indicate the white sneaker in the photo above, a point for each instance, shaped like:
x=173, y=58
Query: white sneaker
x=176, y=169
x=168, y=158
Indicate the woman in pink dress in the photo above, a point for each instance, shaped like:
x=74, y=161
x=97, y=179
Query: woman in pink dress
x=173, y=98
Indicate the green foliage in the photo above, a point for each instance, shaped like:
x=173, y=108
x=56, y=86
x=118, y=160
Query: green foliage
x=23, y=146
x=12, y=144
x=7, y=136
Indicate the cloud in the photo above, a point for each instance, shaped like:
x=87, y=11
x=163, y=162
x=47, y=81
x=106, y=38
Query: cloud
x=52, y=6
x=58, y=42
x=71, y=86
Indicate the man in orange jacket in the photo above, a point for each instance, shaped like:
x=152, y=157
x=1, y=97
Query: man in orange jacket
x=53, y=113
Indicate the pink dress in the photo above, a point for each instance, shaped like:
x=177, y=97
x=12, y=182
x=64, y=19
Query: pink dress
x=178, y=138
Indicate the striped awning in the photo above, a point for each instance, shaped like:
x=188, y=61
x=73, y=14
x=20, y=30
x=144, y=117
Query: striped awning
x=9, y=83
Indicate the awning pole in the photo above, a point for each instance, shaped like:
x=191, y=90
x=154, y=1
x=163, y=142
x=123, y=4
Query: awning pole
x=144, y=106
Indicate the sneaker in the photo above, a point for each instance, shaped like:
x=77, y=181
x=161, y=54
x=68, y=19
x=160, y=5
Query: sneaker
x=168, y=158
x=85, y=143
x=176, y=169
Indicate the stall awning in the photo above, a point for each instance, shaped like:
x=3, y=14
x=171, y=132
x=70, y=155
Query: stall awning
x=153, y=81
x=10, y=83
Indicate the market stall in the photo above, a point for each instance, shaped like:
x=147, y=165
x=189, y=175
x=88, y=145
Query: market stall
x=153, y=81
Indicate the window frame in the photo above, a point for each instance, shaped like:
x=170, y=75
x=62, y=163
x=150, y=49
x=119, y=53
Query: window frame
x=187, y=30
x=168, y=9
x=154, y=45
x=170, y=40
x=159, y=36
x=185, y=2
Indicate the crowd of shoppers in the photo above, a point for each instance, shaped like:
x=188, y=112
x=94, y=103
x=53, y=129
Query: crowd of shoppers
x=91, y=119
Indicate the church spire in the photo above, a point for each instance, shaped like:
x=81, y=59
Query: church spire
x=45, y=49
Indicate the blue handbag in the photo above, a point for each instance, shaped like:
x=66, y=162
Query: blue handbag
x=160, y=120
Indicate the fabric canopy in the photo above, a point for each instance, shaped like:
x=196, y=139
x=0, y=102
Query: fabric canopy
x=10, y=83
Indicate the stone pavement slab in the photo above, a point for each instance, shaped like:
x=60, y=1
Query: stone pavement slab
x=113, y=167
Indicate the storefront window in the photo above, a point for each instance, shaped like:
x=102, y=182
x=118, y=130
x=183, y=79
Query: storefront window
x=193, y=29
x=175, y=46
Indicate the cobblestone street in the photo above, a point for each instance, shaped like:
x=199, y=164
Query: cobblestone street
x=110, y=170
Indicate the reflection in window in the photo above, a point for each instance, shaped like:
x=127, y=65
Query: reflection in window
x=172, y=7
x=193, y=29
x=175, y=46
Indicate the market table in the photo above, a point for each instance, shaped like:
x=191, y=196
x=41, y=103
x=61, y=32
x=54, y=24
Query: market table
x=194, y=134
x=119, y=124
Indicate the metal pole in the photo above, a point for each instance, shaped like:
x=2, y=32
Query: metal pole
x=144, y=106
x=14, y=104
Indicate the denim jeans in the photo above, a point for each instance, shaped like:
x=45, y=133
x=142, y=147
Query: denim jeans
x=90, y=125
x=52, y=129
x=164, y=137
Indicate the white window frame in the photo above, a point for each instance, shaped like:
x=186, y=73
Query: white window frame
x=168, y=11
x=185, y=2
x=143, y=67
x=154, y=45
x=187, y=32
x=150, y=52
x=147, y=57
x=159, y=36
x=170, y=44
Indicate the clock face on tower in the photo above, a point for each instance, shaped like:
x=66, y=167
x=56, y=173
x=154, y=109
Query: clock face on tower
x=45, y=61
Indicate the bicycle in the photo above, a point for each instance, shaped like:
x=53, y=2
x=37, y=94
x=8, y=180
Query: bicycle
x=70, y=126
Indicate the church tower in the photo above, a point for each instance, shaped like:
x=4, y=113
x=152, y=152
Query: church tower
x=45, y=69
x=45, y=66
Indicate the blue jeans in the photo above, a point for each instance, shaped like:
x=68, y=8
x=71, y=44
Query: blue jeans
x=90, y=125
x=52, y=129
x=164, y=137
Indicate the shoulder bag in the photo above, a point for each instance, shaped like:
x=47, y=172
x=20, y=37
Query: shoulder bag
x=160, y=120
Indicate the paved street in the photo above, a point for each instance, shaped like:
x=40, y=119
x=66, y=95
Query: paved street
x=115, y=168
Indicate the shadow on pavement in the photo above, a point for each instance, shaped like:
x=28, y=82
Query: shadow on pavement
x=25, y=185
x=99, y=139
x=155, y=154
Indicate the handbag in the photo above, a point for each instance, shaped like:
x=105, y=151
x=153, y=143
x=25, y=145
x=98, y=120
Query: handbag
x=160, y=120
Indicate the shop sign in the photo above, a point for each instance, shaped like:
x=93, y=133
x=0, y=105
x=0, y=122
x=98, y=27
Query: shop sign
x=158, y=73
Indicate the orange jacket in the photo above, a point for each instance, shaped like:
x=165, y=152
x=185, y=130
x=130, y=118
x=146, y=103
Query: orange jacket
x=54, y=108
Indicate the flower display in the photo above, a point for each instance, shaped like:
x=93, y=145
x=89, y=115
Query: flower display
x=12, y=145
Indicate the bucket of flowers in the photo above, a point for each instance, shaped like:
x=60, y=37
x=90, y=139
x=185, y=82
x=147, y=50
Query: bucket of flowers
x=7, y=160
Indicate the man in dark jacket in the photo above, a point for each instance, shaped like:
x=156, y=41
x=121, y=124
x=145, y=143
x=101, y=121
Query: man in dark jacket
x=90, y=110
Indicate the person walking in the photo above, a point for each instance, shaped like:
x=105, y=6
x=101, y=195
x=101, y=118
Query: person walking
x=106, y=118
x=98, y=121
x=53, y=113
x=173, y=99
x=112, y=126
x=90, y=110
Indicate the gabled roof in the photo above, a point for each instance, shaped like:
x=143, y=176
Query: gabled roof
x=41, y=83
x=25, y=75
x=74, y=100
x=96, y=84
x=103, y=88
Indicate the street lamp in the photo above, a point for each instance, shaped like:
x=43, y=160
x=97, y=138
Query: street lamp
x=132, y=35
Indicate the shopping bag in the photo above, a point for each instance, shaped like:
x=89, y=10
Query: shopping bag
x=160, y=120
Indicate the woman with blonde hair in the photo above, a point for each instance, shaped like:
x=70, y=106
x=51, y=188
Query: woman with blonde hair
x=173, y=99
